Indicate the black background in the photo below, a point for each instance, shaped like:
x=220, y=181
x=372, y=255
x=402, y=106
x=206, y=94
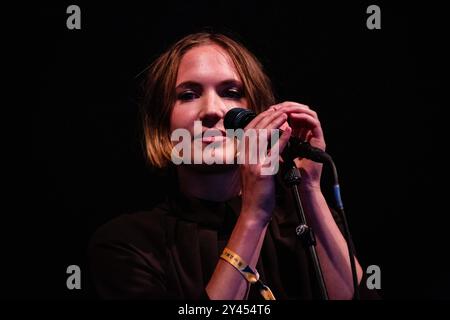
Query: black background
x=379, y=95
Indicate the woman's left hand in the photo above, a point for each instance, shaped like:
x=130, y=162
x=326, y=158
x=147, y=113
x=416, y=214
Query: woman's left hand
x=306, y=126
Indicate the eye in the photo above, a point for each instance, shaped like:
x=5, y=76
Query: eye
x=187, y=95
x=233, y=93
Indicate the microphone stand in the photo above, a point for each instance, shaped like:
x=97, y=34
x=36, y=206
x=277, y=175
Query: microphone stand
x=305, y=233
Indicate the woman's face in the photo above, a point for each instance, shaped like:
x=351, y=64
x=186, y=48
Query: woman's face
x=207, y=86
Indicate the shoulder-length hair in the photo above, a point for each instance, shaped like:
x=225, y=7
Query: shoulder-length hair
x=159, y=89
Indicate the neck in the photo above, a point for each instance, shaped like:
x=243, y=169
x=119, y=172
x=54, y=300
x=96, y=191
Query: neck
x=214, y=186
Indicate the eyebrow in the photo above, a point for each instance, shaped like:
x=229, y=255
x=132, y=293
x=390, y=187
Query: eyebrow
x=190, y=84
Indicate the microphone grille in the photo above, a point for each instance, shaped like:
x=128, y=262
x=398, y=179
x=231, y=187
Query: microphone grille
x=238, y=118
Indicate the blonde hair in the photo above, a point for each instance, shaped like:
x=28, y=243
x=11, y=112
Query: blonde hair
x=159, y=89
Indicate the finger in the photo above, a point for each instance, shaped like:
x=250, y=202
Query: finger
x=272, y=121
x=307, y=122
x=287, y=107
x=290, y=107
x=301, y=133
x=275, y=124
x=283, y=140
x=246, y=152
x=309, y=136
x=285, y=104
x=259, y=118
x=299, y=109
x=284, y=126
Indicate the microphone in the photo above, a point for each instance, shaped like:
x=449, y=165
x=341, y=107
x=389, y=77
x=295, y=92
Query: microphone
x=238, y=118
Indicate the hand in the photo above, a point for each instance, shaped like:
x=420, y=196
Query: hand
x=258, y=190
x=305, y=125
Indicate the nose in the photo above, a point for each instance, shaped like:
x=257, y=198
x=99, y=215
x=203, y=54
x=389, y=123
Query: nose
x=213, y=110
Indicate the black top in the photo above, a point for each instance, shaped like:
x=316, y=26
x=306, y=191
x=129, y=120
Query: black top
x=171, y=252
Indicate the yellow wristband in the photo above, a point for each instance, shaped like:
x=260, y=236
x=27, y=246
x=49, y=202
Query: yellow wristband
x=250, y=274
x=236, y=261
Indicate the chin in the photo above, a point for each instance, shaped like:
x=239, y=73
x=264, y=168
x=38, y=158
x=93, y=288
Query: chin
x=212, y=168
x=209, y=161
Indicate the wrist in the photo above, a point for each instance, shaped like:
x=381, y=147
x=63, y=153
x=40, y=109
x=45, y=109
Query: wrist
x=310, y=188
x=255, y=219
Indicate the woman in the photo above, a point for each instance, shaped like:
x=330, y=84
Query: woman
x=184, y=247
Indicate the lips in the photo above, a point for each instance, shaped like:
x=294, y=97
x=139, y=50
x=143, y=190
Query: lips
x=214, y=135
x=213, y=139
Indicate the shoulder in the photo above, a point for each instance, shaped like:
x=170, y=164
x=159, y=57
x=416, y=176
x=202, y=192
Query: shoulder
x=141, y=230
x=127, y=255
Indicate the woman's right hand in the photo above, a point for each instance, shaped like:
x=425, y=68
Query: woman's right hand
x=258, y=190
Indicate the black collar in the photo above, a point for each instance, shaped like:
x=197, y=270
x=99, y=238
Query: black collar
x=211, y=214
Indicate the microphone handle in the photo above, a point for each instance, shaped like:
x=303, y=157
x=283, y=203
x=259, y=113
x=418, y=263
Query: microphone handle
x=305, y=150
